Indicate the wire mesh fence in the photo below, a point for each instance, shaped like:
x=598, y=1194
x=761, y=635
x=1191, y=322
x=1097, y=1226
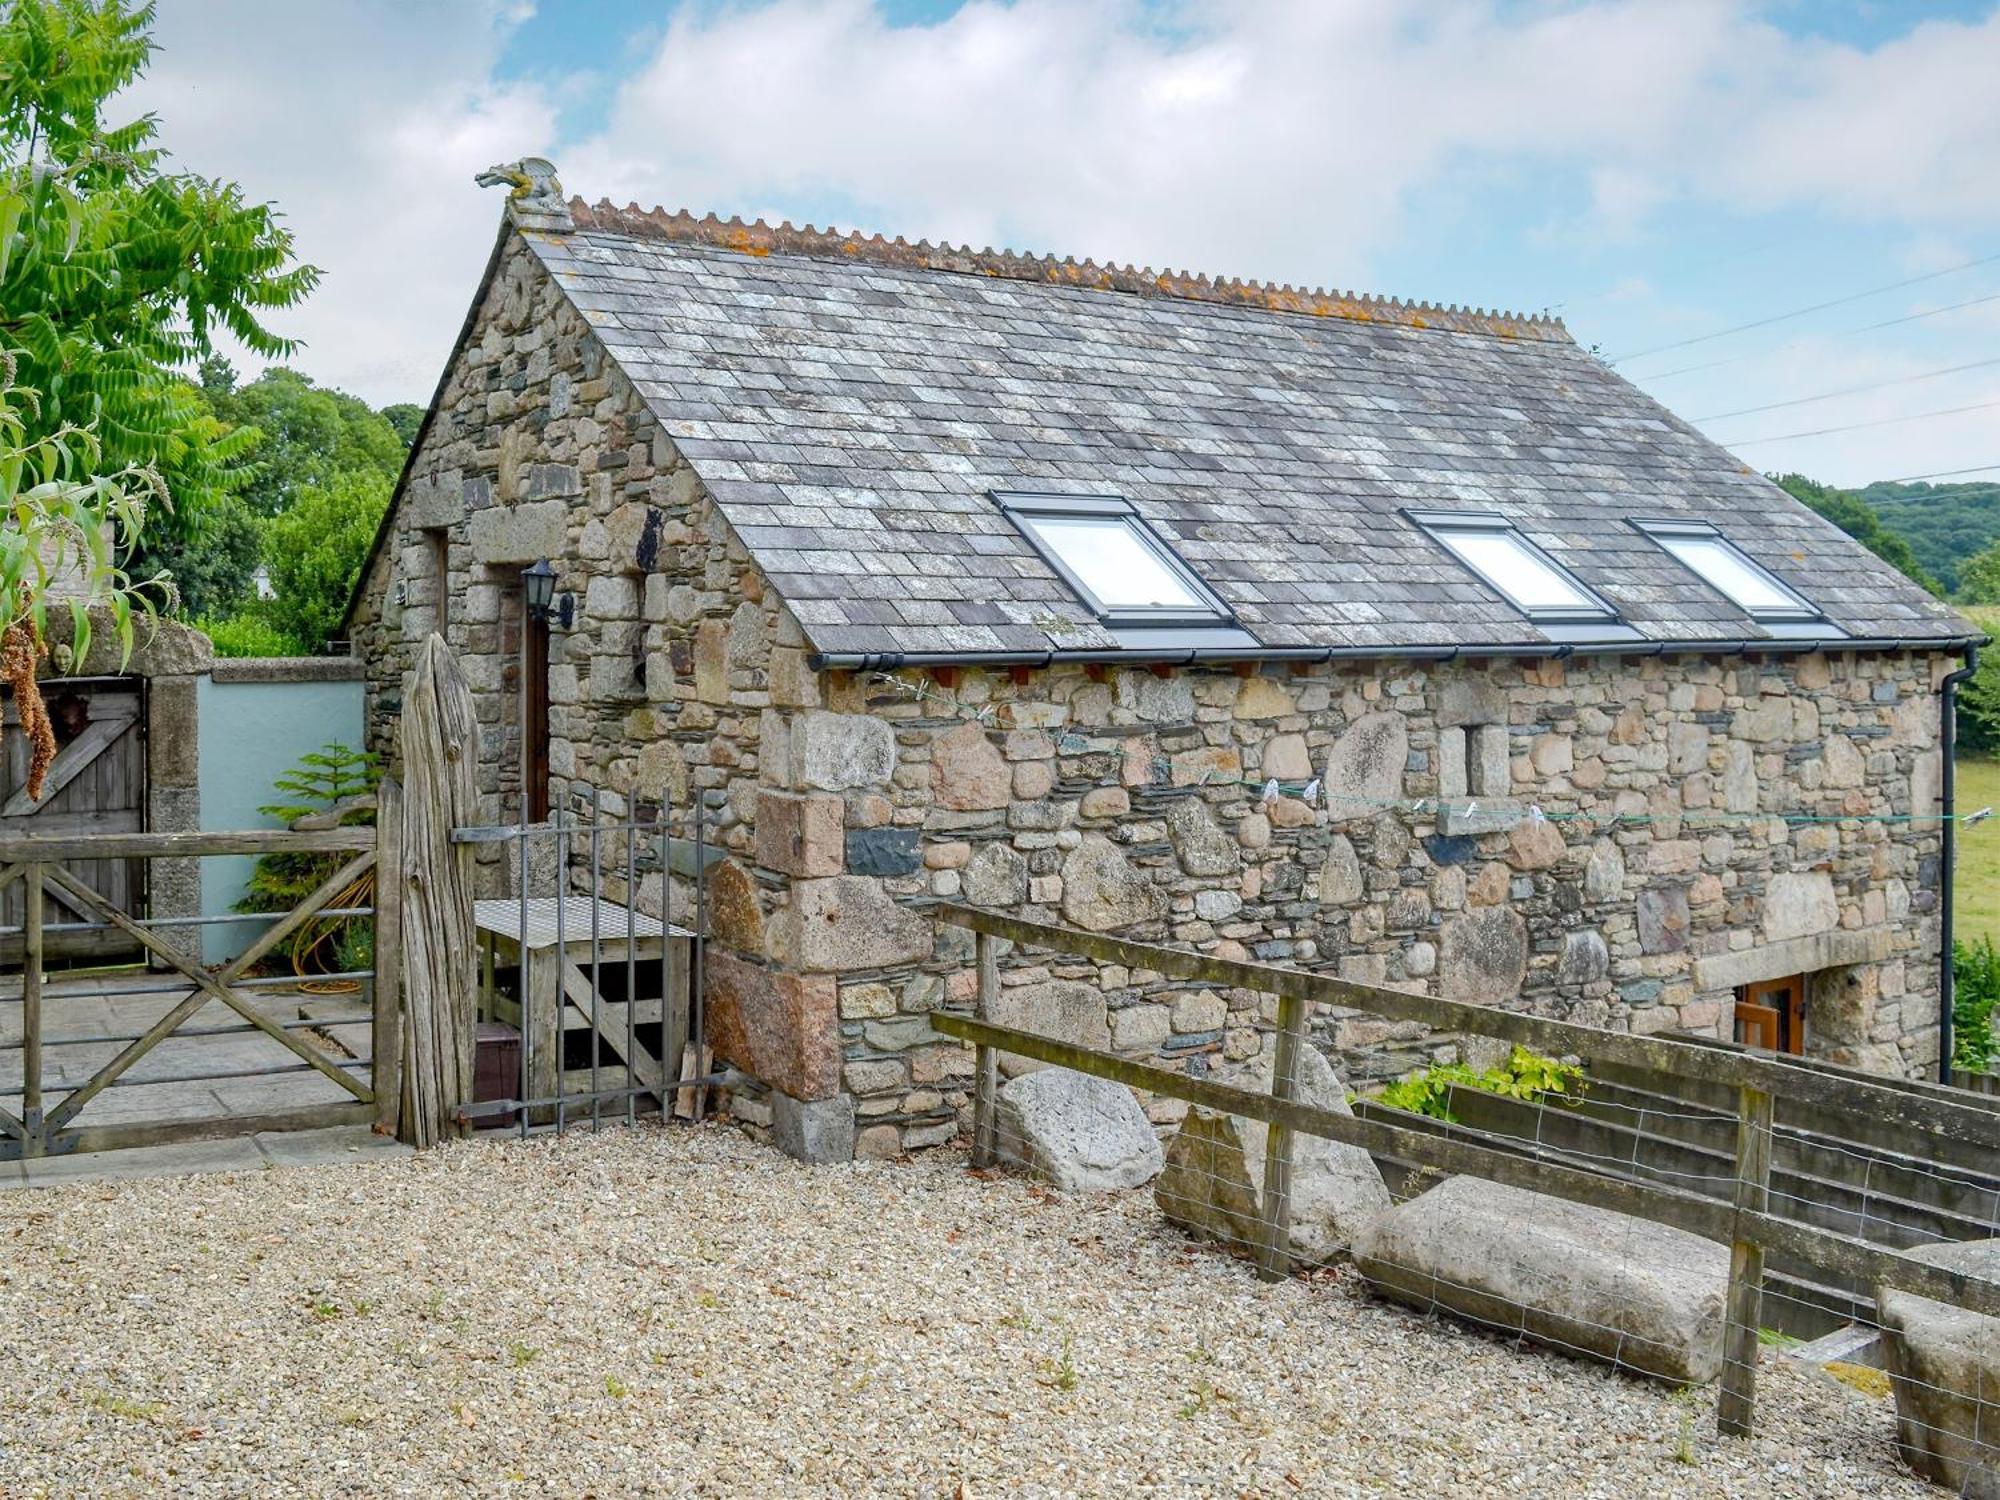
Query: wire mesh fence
x=1670, y=1239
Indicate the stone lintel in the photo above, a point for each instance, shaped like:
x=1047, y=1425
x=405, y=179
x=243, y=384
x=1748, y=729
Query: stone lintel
x=1478, y=815
x=1799, y=955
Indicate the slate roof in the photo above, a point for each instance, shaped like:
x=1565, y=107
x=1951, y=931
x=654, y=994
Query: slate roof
x=852, y=404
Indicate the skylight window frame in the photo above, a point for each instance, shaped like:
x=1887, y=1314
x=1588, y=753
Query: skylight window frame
x=1019, y=506
x=1440, y=525
x=1801, y=611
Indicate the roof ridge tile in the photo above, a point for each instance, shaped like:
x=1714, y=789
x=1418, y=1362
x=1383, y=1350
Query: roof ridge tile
x=785, y=238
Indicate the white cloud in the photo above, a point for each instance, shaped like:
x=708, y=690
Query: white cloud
x=1296, y=140
x=364, y=122
x=1281, y=138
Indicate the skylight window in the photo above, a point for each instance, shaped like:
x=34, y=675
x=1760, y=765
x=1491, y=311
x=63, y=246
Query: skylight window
x=1711, y=557
x=1113, y=560
x=1523, y=574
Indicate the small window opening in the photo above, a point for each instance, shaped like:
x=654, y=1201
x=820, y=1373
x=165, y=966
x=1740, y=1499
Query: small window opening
x=1117, y=564
x=1474, y=761
x=1717, y=562
x=1771, y=1014
x=1512, y=566
x=440, y=580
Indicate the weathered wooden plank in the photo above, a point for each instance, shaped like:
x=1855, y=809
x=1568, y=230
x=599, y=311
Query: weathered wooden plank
x=1965, y=1122
x=1736, y=1409
x=1665, y=1205
x=72, y=759
x=31, y=1017
x=607, y=1019
x=439, y=734
x=541, y=1024
x=1274, y=1260
x=385, y=1047
x=986, y=1095
x=64, y=850
x=207, y=1127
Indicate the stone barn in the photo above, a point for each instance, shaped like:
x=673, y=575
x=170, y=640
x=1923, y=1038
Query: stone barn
x=1400, y=641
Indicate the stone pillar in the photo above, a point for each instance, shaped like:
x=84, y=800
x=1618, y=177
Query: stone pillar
x=774, y=984
x=173, y=804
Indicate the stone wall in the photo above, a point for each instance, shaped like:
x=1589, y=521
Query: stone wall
x=1619, y=841
x=1624, y=840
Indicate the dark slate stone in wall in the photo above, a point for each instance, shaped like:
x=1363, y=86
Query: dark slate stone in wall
x=1446, y=850
x=884, y=851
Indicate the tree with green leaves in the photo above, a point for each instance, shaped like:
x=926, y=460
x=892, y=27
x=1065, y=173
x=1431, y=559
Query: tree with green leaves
x=308, y=440
x=1979, y=577
x=120, y=272
x=308, y=437
x=114, y=275
x=315, y=551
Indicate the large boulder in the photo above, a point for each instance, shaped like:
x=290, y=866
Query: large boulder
x=1940, y=1359
x=1084, y=1134
x=1587, y=1280
x=1213, y=1183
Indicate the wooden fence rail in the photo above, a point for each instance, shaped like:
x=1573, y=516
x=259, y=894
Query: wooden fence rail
x=1747, y=1225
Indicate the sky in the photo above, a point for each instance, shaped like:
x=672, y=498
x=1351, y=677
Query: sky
x=1658, y=173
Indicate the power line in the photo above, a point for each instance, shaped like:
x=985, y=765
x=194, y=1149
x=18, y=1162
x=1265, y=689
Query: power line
x=1843, y=333
x=1939, y=474
x=1800, y=312
x=1918, y=416
x=1852, y=390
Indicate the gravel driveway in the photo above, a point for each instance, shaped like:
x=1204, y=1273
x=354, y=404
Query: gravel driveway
x=681, y=1312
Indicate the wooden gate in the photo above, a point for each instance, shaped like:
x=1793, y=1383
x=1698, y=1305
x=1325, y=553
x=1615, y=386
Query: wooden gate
x=35, y=869
x=96, y=785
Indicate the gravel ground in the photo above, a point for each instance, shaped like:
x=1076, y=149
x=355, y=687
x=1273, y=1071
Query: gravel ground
x=682, y=1312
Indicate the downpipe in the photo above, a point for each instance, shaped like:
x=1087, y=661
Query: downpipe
x=1948, y=851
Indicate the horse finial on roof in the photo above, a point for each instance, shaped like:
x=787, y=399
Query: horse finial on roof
x=535, y=195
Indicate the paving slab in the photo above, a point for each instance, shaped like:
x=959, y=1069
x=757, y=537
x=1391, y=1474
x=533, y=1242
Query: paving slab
x=237, y=1154
x=273, y=1149
x=333, y=1145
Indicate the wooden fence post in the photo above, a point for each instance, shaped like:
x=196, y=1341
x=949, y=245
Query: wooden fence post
x=386, y=1043
x=985, y=1100
x=440, y=960
x=1274, y=1262
x=34, y=1136
x=1736, y=1409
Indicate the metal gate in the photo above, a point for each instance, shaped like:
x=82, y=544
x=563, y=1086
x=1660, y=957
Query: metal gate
x=590, y=974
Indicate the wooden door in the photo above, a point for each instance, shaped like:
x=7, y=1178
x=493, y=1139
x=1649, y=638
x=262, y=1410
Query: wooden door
x=535, y=754
x=1772, y=1014
x=96, y=784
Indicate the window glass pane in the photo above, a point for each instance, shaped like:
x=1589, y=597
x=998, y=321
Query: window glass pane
x=1517, y=571
x=1738, y=577
x=1115, y=563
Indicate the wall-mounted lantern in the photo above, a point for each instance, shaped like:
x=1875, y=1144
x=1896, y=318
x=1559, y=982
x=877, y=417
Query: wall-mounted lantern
x=538, y=584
